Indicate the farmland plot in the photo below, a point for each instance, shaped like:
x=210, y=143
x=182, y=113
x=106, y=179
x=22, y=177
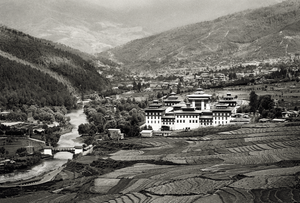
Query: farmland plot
x=250, y=183
x=137, y=185
x=149, y=198
x=102, y=185
x=188, y=186
x=137, y=169
x=276, y=195
x=275, y=172
x=234, y=195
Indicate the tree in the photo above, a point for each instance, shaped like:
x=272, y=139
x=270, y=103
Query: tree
x=253, y=101
x=2, y=150
x=159, y=95
x=21, y=151
x=139, y=86
x=178, y=88
x=266, y=102
x=134, y=85
x=84, y=128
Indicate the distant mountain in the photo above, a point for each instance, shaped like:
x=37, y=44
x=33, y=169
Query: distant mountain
x=65, y=71
x=268, y=32
x=94, y=26
x=77, y=24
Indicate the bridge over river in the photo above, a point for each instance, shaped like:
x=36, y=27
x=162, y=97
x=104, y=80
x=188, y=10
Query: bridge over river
x=52, y=150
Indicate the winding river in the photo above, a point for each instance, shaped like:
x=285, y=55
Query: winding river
x=66, y=140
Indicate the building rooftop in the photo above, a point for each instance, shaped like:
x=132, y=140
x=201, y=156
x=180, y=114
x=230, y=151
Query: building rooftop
x=209, y=117
x=168, y=117
x=187, y=112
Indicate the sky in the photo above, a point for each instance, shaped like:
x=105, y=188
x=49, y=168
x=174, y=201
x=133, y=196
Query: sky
x=122, y=4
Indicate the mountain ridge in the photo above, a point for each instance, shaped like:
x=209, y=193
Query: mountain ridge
x=235, y=38
x=94, y=26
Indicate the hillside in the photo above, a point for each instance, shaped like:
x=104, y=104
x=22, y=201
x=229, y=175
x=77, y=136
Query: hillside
x=95, y=26
x=258, y=34
x=20, y=84
x=68, y=72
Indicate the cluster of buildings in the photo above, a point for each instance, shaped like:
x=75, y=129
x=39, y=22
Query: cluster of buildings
x=198, y=111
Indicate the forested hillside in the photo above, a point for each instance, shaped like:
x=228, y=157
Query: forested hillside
x=44, y=55
x=264, y=33
x=20, y=84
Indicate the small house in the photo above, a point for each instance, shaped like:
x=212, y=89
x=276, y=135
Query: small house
x=78, y=149
x=278, y=120
x=147, y=133
x=115, y=134
x=48, y=150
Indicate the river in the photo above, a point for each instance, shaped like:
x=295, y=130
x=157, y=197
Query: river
x=66, y=140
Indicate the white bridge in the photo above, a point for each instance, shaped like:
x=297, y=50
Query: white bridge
x=52, y=150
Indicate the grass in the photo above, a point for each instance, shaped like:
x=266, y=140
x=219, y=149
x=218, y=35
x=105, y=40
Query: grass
x=21, y=142
x=108, y=147
x=201, y=132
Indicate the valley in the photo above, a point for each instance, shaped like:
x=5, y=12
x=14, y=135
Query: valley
x=149, y=102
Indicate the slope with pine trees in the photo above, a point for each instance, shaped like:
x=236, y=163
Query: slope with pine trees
x=40, y=72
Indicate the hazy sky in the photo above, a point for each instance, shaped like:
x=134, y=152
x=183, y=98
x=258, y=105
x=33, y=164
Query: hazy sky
x=123, y=4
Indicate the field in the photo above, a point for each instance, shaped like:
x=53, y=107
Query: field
x=20, y=142
x=256, y=163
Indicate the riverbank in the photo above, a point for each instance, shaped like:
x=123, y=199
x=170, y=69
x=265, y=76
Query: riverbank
x=67, y=138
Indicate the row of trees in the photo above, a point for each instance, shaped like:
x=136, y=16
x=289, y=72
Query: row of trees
x=264, y=105
x=44, y=114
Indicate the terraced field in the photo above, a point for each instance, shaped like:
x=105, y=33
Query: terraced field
x=257, y=163
x=236, y=166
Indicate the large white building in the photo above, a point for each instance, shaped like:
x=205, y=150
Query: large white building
x=198, y=112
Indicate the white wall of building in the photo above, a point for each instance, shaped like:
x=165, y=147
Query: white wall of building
x=48, y=151
x=154, y=121
x=221, y=118
x=186, y=121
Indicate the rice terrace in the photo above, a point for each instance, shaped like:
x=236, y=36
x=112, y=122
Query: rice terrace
x=255, y=163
